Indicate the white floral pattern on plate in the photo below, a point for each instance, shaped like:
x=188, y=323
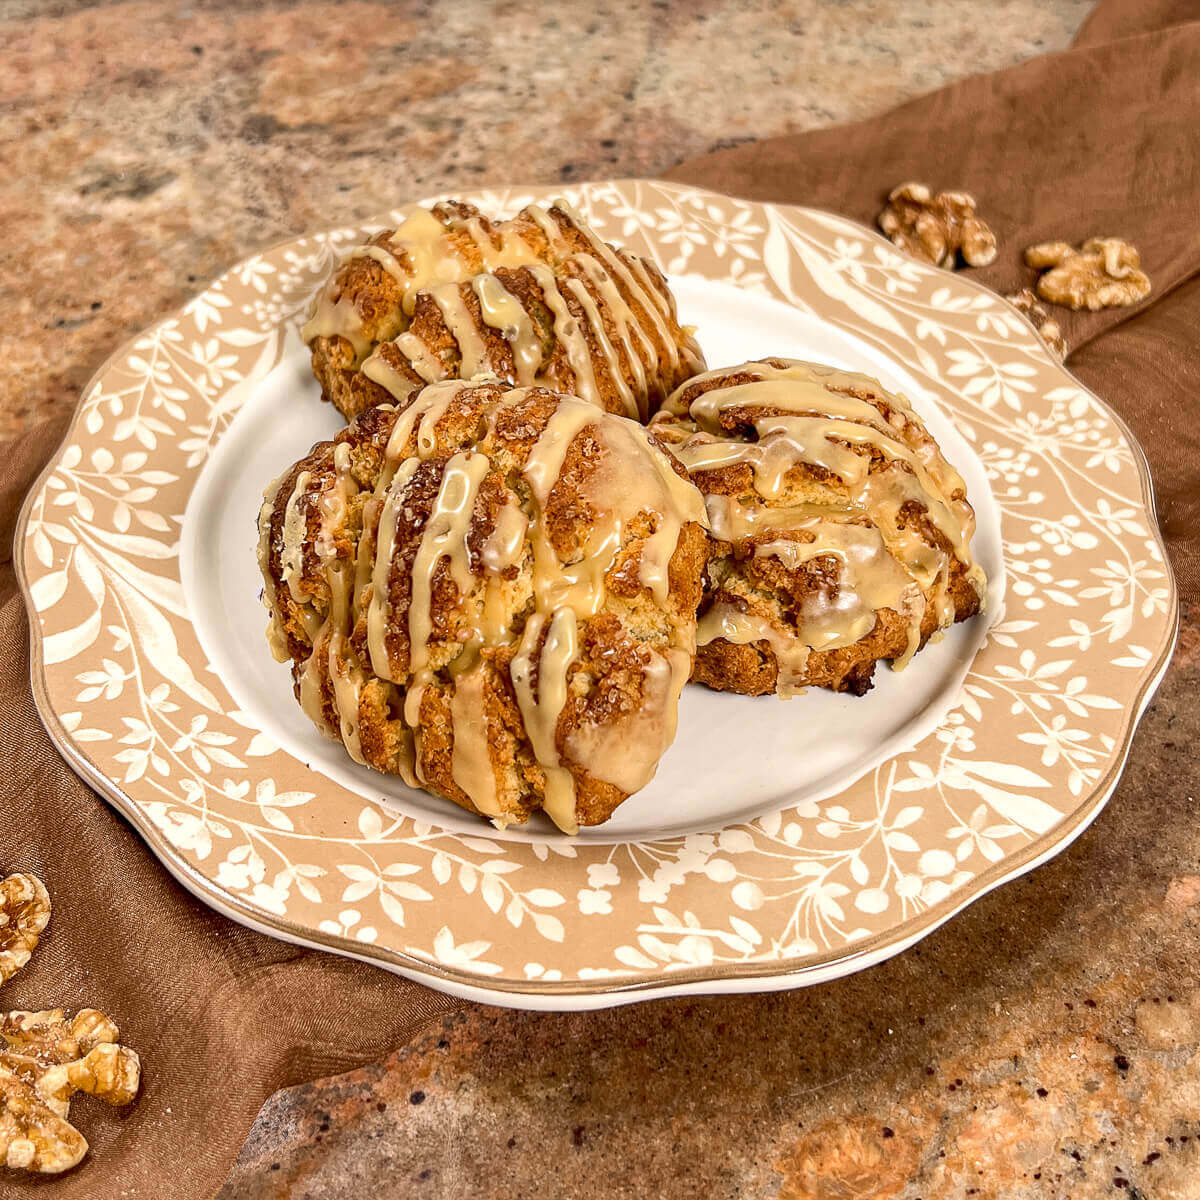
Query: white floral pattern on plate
x=1027, y=755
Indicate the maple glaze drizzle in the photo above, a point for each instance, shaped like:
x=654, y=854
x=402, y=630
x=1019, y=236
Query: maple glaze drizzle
x=472, y=348
x=471, y=765
x=422, y=253
x=502, y=311
x=542, y=704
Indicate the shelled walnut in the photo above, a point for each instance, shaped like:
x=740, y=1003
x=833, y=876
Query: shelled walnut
x=32, y=1136
x=45, y=1061
x=937, y=228
x=1040, y=319
x=1102, y=273
x=24, y=915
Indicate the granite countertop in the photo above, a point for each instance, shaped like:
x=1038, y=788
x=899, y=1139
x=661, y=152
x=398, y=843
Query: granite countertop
x=1044, y=1043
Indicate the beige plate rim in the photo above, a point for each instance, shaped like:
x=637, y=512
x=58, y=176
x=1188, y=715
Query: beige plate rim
x=578, y=994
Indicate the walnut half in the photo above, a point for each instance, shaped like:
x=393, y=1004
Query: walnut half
x=24, y=915
x=1102, y=273
x=46, y=1059
x=1040, y=319
x=32, y=1137
x=937, y=228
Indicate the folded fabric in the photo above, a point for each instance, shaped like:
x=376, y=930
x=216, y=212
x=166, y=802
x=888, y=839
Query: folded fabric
x=220, y=1015
x=1097, y=141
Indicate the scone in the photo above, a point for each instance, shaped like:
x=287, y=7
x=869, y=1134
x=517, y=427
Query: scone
x=536, y=299
x=491, y=593
x=841, y=535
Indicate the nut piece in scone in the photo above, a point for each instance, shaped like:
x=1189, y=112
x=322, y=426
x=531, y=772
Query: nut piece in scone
x=491, y=593
x=841, y=535
x=539, y=299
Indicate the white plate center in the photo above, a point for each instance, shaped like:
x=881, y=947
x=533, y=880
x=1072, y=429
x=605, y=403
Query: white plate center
x=734, y=757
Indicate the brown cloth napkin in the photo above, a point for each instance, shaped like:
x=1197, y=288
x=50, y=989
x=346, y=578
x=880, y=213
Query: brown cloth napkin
x=1098, y=140
x=1101, y=140
x=220, y=1015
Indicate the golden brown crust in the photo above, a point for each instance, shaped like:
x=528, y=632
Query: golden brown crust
x=444, y=619
x=594, y=320
x=781, y=611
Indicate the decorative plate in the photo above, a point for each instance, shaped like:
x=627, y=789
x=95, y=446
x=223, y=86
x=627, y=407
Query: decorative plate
x=782, y=842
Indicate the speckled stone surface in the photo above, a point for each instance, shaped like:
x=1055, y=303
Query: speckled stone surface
x=145, y=147
x=1046, y=1043
x=1043, y=1044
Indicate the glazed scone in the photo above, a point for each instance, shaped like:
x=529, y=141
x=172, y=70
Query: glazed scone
x=491, y=593
x=536, y=299
x=841, y=535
